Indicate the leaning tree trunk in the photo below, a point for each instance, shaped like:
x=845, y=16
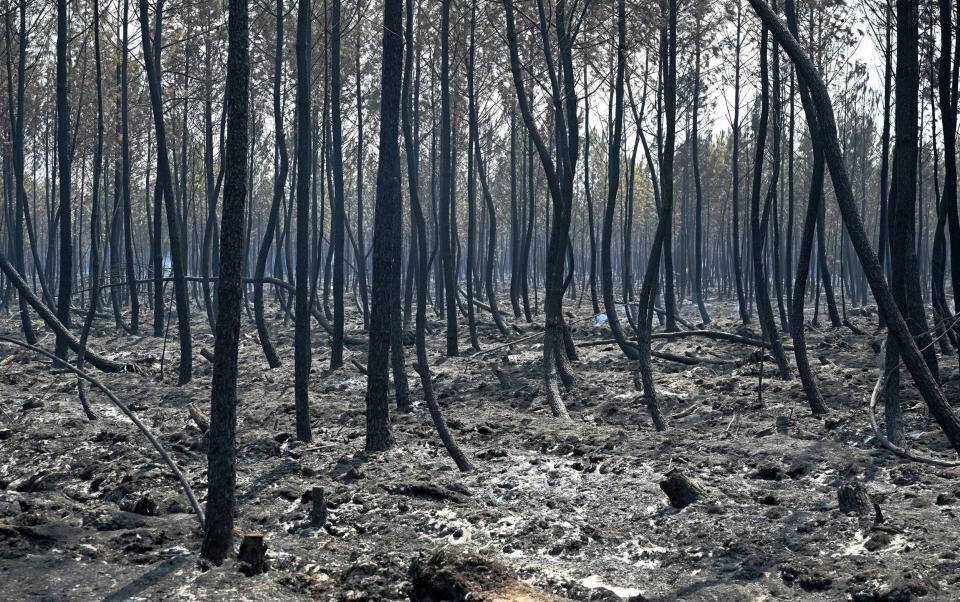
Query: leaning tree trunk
x=273, y=360
x=810, y=389
x=96, y=267
x=644, y=372
x=50, y=319
x=420, y=227
x=565, y=111
x=613, y=183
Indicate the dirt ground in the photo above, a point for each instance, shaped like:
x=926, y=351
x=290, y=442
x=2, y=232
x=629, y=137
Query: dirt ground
x=89, y=512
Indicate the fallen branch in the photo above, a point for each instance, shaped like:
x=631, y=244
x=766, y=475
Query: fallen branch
x=349, y=341
x=683, y=334
x=507, y=344
x=187, y=490
x=679, y=320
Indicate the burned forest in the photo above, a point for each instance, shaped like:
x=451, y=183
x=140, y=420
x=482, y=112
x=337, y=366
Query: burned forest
x=479, y=300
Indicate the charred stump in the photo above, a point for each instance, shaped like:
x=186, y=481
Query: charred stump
x=681, y=489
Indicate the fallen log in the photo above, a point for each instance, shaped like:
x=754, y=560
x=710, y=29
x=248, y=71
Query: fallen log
x=23, y=289
x=507, y=344
x=689, y=359
x=199, y=419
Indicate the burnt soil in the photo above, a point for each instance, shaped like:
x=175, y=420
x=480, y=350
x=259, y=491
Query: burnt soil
x=89, y=512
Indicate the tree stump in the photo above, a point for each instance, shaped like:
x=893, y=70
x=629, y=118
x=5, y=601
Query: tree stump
x=318, y=508
x=853, y=498
x=681, y=489
x=252, y=556
x=506, y=381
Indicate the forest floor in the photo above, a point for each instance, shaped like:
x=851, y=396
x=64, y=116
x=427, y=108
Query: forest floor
x=89, y=512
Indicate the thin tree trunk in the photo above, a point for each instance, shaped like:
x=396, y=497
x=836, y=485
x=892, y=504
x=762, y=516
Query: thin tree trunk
x=166, y=184
x=64, y=158
x=759, y=222
x=304, y=168
x=278, y=186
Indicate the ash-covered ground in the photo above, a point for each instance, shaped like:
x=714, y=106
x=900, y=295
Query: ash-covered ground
x=89, y=512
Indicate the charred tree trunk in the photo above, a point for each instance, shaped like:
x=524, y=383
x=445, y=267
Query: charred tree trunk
x=587, y=193
x=15, y=229
x=387, y=220
x=810, y=389
x=904, y=263
x=735, y=171
x=471, y=185
x=64, y=158
x=164, y=180
x=445, y=234
x=336, y=165
x=698, y=187
x=613, y=183
x=221, y=471
x=304, y=173
x=278, y=186
x=125, y=179
x=759, y=218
